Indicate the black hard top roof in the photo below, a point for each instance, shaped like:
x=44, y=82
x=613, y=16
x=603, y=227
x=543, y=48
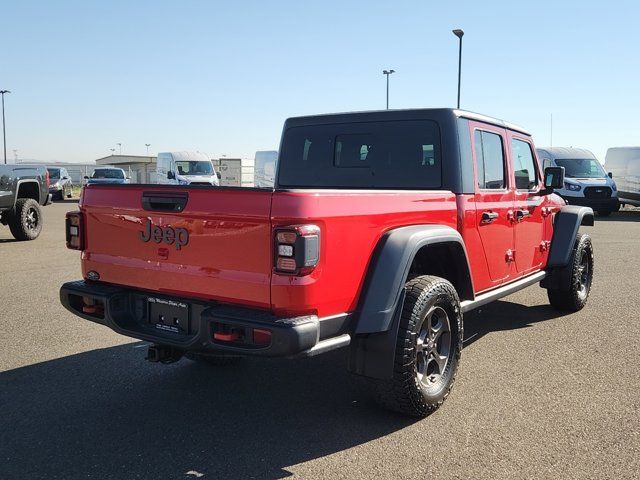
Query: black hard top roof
x=400, y=114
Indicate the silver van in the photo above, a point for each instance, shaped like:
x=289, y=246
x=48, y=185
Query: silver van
x=585, y=180
x=624, y=164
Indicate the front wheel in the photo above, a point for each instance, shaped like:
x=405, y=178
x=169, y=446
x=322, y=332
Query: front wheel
x=25, y=220
x=573, y=296
x=428, y=348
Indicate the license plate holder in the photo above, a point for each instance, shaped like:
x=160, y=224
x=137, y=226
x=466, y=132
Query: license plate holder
x=169, y=316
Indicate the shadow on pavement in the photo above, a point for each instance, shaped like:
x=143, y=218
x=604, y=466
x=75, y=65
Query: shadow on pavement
x=502, y=315
x=625, y=215
x=109, y=414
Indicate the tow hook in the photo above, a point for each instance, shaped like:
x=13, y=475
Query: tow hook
x=163, y=354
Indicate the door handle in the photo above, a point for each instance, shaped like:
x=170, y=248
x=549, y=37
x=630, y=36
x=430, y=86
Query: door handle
x=522, y=214
x=488, y=217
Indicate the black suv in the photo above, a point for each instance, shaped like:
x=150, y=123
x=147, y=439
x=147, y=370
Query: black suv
x=61, y=185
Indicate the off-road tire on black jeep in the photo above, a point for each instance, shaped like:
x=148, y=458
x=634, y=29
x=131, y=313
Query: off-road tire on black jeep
x=215, y=360
x=573, y=297
x=430, y=326
x=25, y=220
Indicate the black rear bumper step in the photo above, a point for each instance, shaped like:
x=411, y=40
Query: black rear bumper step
x=126, y=311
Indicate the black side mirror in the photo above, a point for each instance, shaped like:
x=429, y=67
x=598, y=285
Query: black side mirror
x=219, y=175
x=171, y=175
x=610, y=175
x=85, y=177
x=553, y=178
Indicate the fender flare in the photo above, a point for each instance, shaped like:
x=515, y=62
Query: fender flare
x=565, y=230
x=389, y=270
x=378, y=317
x=22, y=182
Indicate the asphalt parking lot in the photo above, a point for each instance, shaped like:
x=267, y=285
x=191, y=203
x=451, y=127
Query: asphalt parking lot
x=539, y=394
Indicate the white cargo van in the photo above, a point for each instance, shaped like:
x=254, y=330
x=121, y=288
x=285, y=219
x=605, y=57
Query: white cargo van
x=585, y=181
x=265, y=168
x=186, y=168
x=624, y=165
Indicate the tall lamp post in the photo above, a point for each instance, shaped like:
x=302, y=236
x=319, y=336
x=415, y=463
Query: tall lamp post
x=387, y=73
x=4, y=133
x=120, y=147
x=459, y=33
x=147, y=145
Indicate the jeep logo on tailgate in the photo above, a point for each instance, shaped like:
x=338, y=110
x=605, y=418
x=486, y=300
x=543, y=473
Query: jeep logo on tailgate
x=168, y=235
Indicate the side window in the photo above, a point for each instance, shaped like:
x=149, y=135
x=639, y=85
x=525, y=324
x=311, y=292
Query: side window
x=490, y=160
x=524, y=165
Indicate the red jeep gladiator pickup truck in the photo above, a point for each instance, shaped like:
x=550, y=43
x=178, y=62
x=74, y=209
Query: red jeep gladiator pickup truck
x=382, y=230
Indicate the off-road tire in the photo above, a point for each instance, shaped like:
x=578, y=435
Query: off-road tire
x=405, y=392
x=25, y=220
x=215, y=360
x=573, y=297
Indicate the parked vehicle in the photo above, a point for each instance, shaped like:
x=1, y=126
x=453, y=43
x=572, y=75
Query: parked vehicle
x=382, y=230
x=624, y=165
x=23, y=189
x=264, y=173
x=586, y=182
x=107, y=175
x=186, y=168
x=61, y=185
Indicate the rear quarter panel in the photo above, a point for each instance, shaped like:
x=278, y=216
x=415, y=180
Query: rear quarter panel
x=351, y=222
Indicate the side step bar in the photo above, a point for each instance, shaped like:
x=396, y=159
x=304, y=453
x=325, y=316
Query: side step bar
x=503, y=291
x=326, y=345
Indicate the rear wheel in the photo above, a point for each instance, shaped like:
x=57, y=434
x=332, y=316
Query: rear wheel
x=25, y=221
x=573, y=296
x=428, y=348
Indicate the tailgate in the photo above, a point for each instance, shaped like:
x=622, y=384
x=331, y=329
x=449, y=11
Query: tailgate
x=207, y=243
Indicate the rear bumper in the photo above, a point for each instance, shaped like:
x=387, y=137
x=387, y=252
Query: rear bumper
x=595, y=203
x=126, y=311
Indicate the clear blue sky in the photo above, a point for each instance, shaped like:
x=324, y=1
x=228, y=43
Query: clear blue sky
x=221, y=77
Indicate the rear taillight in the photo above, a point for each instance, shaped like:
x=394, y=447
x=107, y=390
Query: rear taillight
x=74, y=231
x=297, y=249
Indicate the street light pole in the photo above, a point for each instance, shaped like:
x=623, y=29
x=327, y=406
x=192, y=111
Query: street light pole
x=459, y=33
x=387, y=73
x=147, y=145
x=120, y=147
x=4, y=133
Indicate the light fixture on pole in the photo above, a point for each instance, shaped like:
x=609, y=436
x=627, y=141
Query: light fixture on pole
x=387, y=73
x=120, y=148
x=4, y=133
x=459, y=33
x=147, y=145
x=112, y=150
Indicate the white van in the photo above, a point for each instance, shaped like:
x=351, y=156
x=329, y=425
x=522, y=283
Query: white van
x=186, y=168
x=624, y=165
x=585, y=181
x=264, y=173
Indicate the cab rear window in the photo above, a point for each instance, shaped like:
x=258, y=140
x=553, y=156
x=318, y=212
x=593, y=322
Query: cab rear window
x=393, y=155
